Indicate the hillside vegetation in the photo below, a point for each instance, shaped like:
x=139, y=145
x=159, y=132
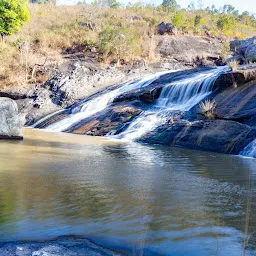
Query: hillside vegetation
x=110, y=35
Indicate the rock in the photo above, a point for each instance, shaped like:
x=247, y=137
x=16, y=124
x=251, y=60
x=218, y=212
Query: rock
x=167, y=28
x=237, y=58
x=63, y=246
x=188, y=49
x=250, y=53
x=10, y=120
x=217, y=135
x=245, y=48
x=111, y=120
x=240, y=46
x=238, y=104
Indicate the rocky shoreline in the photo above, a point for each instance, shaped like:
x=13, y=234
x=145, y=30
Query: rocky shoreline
x=229, y=130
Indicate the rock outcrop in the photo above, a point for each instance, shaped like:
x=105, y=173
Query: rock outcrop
x=190, y=50
x=244, y=49
x=10, y=120
x=167, y=28
x=221, y=136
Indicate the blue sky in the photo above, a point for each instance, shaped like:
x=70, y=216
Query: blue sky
x=241, y=5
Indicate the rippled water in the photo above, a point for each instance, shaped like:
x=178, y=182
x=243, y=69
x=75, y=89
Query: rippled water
x=126, y=195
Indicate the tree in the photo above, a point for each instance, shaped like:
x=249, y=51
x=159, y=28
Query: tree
x=170, y=5
x=107, y=3
x=198, y=19
x=224, y=23
x=13, y=14
x=177, y=19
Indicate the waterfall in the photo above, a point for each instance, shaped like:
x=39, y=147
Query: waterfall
x=250, y=150
x=88, y=108
x=186, y=93
x=181, y=95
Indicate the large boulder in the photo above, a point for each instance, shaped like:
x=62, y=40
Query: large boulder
x=10, y=120
x=245, y=48
x=216, y=135
x=189, y=50
x=167, y=28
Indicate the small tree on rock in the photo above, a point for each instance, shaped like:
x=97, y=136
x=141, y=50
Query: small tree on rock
x=13, y=14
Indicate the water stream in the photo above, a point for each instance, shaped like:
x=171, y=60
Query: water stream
x=250, y=150
x=180, y=95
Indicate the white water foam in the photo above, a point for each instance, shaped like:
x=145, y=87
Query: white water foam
x=181, y=95
x=97, y=104
x=250, y=150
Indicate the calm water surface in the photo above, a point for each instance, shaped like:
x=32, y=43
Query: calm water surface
x=126, y=195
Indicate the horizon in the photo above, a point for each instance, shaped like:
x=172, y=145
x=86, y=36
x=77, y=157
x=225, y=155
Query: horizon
x=239, y=5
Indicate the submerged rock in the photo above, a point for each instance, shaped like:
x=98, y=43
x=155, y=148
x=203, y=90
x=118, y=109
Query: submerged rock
x=10, y=120
x=65, y=246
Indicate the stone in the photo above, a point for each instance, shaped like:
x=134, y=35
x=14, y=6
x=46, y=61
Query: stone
x=221, y=136
x=167, y=28
x=111, y=120
x=245, y=48
x=10, y=120
x=250, y=53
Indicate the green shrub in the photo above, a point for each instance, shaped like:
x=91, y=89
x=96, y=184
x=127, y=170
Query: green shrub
x=118, y=41
x=177, y=19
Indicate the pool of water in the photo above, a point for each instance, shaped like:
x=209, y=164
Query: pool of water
x=137, y=197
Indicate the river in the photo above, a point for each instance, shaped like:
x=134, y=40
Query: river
x=128, y=196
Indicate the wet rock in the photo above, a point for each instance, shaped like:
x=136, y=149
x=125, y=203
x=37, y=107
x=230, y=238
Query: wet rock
x=65, y=246
x=242, y=75
x=111, y=120
x=216, y=135
x=238, y=104
x=10, y=120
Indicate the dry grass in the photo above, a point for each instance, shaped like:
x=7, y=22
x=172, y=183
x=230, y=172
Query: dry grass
x=233, y=65
x=207, y=109
x=54, y=31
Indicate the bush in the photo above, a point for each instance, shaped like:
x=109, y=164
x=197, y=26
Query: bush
x=224, y=23
x=177, y=19
x=207, y=109
x=118, y=41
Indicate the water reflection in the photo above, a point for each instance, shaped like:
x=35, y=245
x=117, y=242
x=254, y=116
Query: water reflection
x=173, y=201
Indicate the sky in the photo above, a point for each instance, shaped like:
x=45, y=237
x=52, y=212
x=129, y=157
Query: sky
x=241, y=5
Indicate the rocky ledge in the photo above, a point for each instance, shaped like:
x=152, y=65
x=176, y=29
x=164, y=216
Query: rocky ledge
x=229, y=128
x=10, y=120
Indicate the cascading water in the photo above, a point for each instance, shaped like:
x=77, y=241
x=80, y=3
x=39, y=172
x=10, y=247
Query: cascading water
x=97, y=104
x=250, y=150
x=181, y=95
